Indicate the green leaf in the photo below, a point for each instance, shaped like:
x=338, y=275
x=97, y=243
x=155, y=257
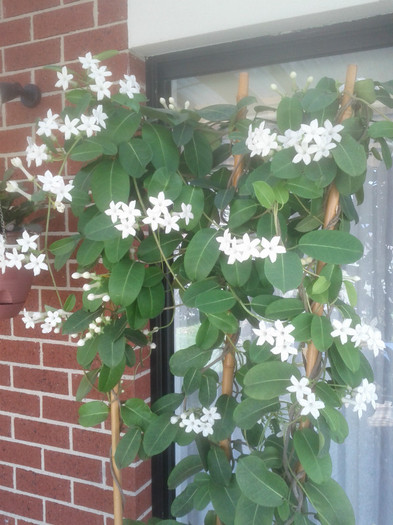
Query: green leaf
x=165, y=153
x=218, y=112
x=159, y=435
x=151, y=301
x=100, y=228
x=122, y=125
x=207, y=335
x=208, y=388
x=286, y=273
x=225, y=321
x=136, y=413
x=189, y=357
x=236, y=274
x=128, y=447
x=316, y=99
x=202, y=254
x=171, y=184
x=79, y=321
x=192, y=292
x=284, y=308
x=187, y=467
x=269, y=380
x=183, y=503
x=382, y=129
x=63, y=248
x=198, y=154
x=321, y=329
x=194, y=196
x=219, y=466
x=88, y=252
x=289, y=114
x=330, y=502
x=306, y=443
x=259, y=484
x=321, y=172
x=125, y=281
x=224, y=500
x=264, y=193
x=350, y=156
x=250, y=411
x=134, y=156
x=283, y=167
x=116, y=248
x=302, y=324
x=109, y=182
x=86, y=150
x=241, y=211
x=111, y=346
x=86, y=384
x=224, y=427
x=149, y=252
x=167, y=404
x=182, y=133
x=365, y=89
x=110, y=377
x=332, y=246
x=305, y=188
x=251, y=513
x=350, y=355
x=215, y=301
x=93, y=413
x=337, y=424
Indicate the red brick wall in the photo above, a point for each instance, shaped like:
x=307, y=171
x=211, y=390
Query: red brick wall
x=52, y=471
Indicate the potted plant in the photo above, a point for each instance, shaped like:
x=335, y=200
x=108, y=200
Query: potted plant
x=249, y=223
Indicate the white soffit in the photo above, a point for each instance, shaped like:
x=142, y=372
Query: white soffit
x=163, y=26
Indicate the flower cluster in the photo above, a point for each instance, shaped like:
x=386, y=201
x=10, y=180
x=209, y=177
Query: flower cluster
x=361, y=396
x=363, y=335
x=200, y=425
x=51, y=320
x=311, y=142
x=124, y=216
x=305, y=397
x=278, y=336
x=99, y=286
x=246, y=248
x=24, y=253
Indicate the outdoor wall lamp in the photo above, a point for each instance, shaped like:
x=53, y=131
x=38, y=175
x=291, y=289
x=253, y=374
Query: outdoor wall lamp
x=30, y=95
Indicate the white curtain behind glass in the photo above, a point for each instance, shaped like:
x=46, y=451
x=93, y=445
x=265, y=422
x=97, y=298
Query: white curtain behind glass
x=364, y=464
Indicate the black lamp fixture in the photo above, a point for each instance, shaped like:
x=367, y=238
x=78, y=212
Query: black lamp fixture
x=30, y=95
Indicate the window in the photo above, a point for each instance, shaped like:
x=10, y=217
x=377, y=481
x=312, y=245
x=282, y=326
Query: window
x=208, y=76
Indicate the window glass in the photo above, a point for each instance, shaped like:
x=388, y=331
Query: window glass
x=364, y=464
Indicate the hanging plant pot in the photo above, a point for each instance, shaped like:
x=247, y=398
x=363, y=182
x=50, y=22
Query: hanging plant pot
x=14, y=288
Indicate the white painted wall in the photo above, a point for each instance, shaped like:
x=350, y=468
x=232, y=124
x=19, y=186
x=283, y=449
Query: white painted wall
x=162, y=26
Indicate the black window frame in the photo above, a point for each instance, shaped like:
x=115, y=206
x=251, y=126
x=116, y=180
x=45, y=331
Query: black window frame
x=337, y=39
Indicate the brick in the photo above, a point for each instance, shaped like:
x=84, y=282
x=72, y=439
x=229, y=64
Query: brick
x=6, y=476
x=14, y=140
x=32, y=55
x=93, y=497
x=19, y=403
x=22, y=505
x=20, y=454
x=93, y=394
x=14, y=31
x=5, y=426
x=136, y=388
x=54, y=22
x=113, y=11
x=57, y=514
x=5, y=377
x=77, y=467
x=7, y=520
x=12, y=8
x=43, y=485
x=133, y=477
x=91, y=442
x=20, y=352
x=60, y=410
x=60, y=356
x=96, y=41
x=136, y=505
x=42, y=433
x=16, y=113
x=40, y=380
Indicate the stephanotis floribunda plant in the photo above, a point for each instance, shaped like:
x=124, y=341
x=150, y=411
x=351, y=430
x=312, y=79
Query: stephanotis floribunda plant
x=162, y=221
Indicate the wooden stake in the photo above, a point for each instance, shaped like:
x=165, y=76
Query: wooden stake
x=332, y=209
x=115, y=430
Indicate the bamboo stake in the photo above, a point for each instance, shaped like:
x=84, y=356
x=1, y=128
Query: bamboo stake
x=115, y=434
x=331, y=210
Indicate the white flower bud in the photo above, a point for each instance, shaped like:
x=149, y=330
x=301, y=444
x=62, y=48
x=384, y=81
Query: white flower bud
x=171, y=100
x=86, y=287
x=186, y=104
x=86, y=275
x=274, y=87
x=16, y=162
x=292, y=75
x=171, y=106
x=91, y=297
x=98, y=320
x=310, y=80
x=81, y=342
x=153, y=346
x=88, y=336
x=76, y=275
x=106, y=298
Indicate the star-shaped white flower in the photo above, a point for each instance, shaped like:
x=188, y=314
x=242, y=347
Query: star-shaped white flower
x=69, y=127
x=64, y=78
x=101, y=88
x=36, y=263
x=15, y=259
x=265, y=333
x=129, y=86
x=100, y=116
x=342, y=329
x=160, y=202
x=271, y=248
x=88, y=62
x=89, y=125
x=186, y=212
x=46, y=126
x=311, y=406
x=299, y=388
x=27, y=242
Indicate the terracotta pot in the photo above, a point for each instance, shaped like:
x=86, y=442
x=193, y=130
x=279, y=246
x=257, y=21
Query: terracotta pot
x=14, y=288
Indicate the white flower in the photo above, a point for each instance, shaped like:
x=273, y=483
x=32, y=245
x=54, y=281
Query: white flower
x=342, y=329
x=290, y=138
x=36, y=263
x=126, y=227
x=359, y=405
x=368, y=392
x=192, y=424
x=89, y=125
x=210, y=415
x=332, y=131
x=49, y=123
x=102, y=89
x=284, y=349
x=153, y=217
x=186, y=212
x=169, y=222
x=205, y=428
x=322, y=148
x=35, y=153
x=27, y=242
x=261, y=141
x=64, y=78
x=264, y=333
x=311, y=405
x=114, y=210
x=283, y=332
x=271, y=248
x=130, y=86
x=88, y=61
x=226, y=242
x=311, y=131
x=249, y=247
x=303, y=153
x=99, y=74
x=56, y=185
x=161, y=202
x=15, y=259
x=299, y=388
x=369, y=337
x=99, y=116
x=30, y=318
x=69, y=127
x=128, y=211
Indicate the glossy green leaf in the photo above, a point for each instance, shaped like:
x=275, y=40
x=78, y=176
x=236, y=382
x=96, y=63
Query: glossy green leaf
x=330, y=502
x=350, y=156
x=337, y=424
x=163, y=180
x=63, y=249
x=224, y=427
x=215, y=301
x=151, y=301
x=86, y=384
x=167, y=404
x=122, y=125
x=382, y=129
x=282, y=165
x=284, y=308
x=134, y=156
x=251, y=513
x=184, y=469
x=207, y=335
x=225, y=321
x=250, y=411
x=289, y=113
x=88, y=252
x=202, y=254
x=286, y=273
x=128, y=447
x=149, y=252
x=194, y=196
x=241, y=211
x=110, y=377
x=236, y=274
x=165, y=153
x=259, y=484
x=264, y=193
x=125, y=281
x=111, y=347
x=136, y=413
x=219, y=467
x=218, y=112
x=332, y=246
x=316, y=99
x=93, y=413
x=321, y=329
x=306, y=444
x=159, y=435
x=116, y=248
x=100, y=228
x=208, y=388
x=109, y=182
x=224, y=500
x=304, y=187
x=79, y=321
x=192, y=292
x=302, y=324
x=269, y=380
x=198, y=154
x=183, y=359
x=86, y=150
